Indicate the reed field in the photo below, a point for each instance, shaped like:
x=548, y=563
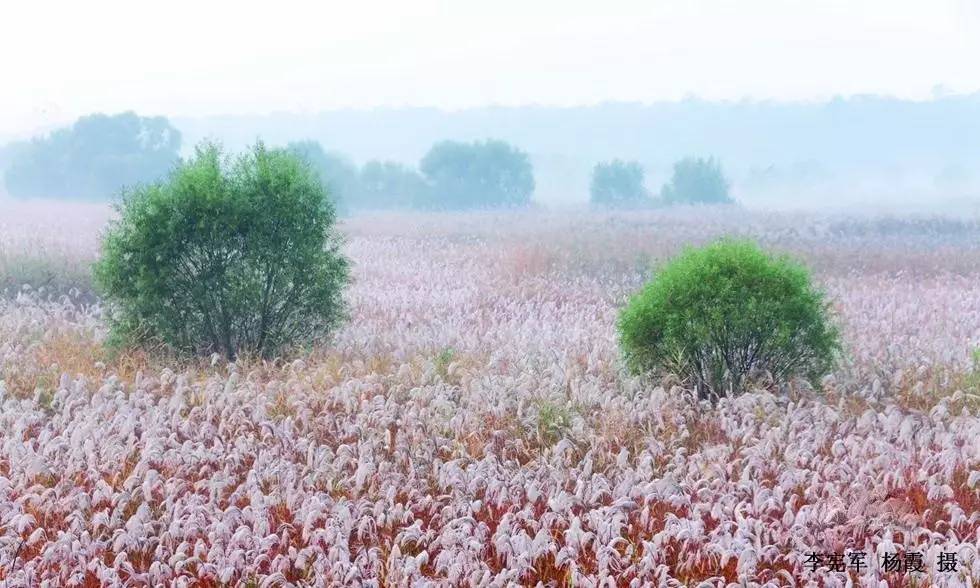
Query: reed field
x=472, y=423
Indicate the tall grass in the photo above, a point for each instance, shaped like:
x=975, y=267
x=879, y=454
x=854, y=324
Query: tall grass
x=472, y=424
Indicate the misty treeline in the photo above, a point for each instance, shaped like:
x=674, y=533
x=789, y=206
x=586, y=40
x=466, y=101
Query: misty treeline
x=99, y=155
x=859, y=152
x=452, y=175
x=93, y=158
x=695, y=180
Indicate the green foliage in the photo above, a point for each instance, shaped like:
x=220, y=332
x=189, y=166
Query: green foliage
x=725, y=314
x=442, y=361
x=456, y=176
x=482, y=174
x=386, y=184
x=337, y=173
x=554, y=421
x=93, y=158
x=225, y=256
x=618, y=183
x=696, y=181
x=972, y=377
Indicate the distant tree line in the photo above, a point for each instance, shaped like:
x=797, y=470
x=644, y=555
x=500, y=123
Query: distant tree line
x=451, y=176
x=695, y=180
x=93, y=158
x=100, y=154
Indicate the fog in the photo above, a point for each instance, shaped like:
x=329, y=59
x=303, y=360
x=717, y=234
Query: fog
x=869, y=105
x=866, y=153
x=869, y=153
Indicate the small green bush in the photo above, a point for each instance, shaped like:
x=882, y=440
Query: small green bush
x=225, y=256
x=724, y=314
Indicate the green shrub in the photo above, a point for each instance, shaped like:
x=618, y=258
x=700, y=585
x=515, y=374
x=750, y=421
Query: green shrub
x=225, y=256
x=722, y=315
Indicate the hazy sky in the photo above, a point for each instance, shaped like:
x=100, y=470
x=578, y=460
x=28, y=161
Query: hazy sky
x=64, y=59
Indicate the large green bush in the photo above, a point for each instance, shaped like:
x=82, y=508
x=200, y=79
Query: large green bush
x=225, y=256
x=725, y=314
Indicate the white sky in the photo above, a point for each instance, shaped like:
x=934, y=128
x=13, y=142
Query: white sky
x=59, y=60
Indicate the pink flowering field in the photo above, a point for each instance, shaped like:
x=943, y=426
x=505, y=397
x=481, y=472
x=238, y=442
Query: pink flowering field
x=472, y=424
